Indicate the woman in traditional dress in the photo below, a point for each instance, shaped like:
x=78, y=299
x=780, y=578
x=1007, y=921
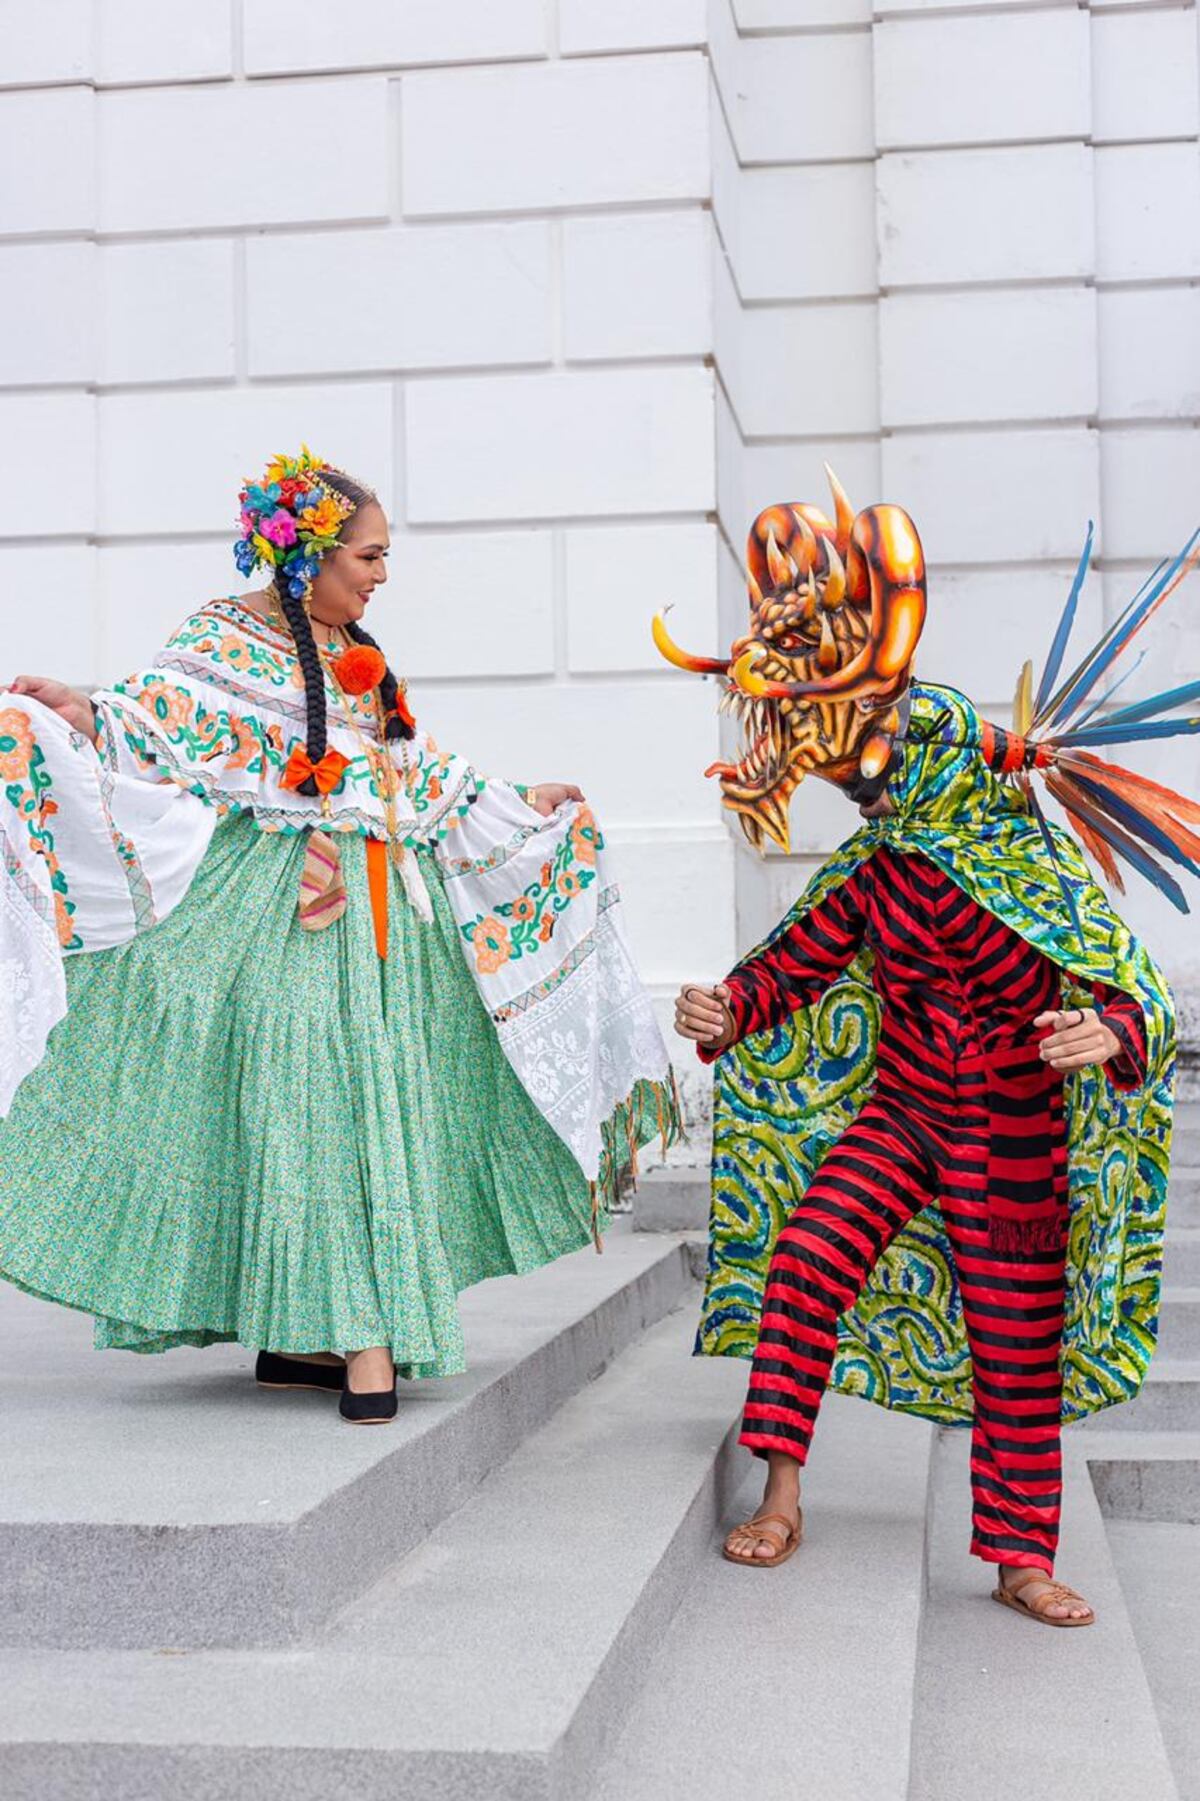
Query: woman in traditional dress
x=306, y=1075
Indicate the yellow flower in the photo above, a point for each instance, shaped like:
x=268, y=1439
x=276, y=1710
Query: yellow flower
x=323, y=520
x=265, y=548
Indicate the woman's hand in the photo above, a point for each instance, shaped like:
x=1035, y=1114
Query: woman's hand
x=703, y=1015
x=69, y=703
x=547, y=797
x=1079, y=1037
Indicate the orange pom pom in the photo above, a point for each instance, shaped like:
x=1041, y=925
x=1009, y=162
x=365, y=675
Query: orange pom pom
x=360, y=669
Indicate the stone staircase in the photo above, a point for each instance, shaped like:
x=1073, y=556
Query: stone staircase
x=514, y=1593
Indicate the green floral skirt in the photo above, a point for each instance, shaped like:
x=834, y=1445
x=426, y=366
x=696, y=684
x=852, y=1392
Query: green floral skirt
x=243, y=1130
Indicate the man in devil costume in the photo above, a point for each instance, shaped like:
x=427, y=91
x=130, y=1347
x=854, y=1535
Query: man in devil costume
x=943, y=1084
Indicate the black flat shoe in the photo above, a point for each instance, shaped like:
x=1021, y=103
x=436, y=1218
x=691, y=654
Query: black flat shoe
x=272, y=1371
x=368, y=1410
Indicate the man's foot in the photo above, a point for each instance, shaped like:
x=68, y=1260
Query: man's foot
x=370, y=1372
x=776, y=1529
x=1027, y=1589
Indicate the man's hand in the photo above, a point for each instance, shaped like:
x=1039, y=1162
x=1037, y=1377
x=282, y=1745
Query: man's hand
x=68, y=703
x=703, y=1014
x=1079, y=1037
x=548, y=797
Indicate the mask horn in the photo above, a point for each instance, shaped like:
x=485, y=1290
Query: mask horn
x=843, y=511
x=682, y=659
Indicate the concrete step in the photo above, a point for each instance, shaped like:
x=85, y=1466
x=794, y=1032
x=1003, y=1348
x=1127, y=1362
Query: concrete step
x=1146, y=1475
x=1159, y=1568
x=1169, y=1401
x=1004, y=1708
x=1181, y=1256
x=1179, y=1322
x=151, y=1501
x=488, y=1665
x=1183, y=1194
x=672, y=1200
x=798, y=1681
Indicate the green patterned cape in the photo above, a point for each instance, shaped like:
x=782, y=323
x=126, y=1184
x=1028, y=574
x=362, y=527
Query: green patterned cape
x=784, y=1096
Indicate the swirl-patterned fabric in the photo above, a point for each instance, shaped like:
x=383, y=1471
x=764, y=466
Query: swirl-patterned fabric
x=783, y=1097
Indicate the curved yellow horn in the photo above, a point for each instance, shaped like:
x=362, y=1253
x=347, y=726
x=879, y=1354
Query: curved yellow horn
x=743, y=673
x=682, y=659
x=835, y=582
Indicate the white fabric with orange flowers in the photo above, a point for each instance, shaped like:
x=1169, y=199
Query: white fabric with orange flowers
x=540, y=918
x=100, y=844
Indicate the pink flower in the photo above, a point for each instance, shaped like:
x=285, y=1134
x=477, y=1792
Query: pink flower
x=280, y=529
x=249, y=522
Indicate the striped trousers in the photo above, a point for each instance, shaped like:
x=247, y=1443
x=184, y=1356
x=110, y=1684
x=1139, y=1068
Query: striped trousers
x=884, y=1170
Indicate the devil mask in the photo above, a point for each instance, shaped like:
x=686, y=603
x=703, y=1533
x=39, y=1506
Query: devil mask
x=818, y=683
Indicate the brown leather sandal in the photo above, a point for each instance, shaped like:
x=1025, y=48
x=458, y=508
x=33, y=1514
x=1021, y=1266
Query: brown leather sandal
x=1053, y=1595
x=787, y=1541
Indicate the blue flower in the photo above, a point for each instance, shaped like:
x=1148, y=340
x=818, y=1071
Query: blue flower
x=245, y=556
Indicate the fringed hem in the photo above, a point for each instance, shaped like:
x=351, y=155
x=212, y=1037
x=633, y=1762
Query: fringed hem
x=652, y=1110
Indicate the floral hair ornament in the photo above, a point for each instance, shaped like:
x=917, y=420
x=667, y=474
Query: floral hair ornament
x=290, y=519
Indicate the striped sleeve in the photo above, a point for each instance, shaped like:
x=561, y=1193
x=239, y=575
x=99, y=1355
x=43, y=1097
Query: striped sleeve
x=1122, y=1015
x=799, y=964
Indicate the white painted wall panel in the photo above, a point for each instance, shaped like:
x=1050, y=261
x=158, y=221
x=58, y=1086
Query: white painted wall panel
x=48, y=612
x=555, y=446
x=47, y=165
x=221, y=435
x=991, y=79
x=617, y=576
x=556, y=124
x=174, y=159
x=451, y=599
x=585, y=26
x=47, y=465
x=47, y=42
x=1151, y=485
x=420, y=297
x=164, y=40
x=808, y=371
x=1145, y=75
x=962, y=216
x=48, y=327
x=983, y=623
x=166, y=311
x=959, y=358
x=996, y=497
x=389, y=34
x=802, y=98
x=1150, y=353
x=1148, y=212
x=806, y=233
x=145, y=591
x=637, y=285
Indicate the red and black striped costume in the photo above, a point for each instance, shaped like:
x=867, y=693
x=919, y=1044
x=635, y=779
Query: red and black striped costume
x=964, y=1111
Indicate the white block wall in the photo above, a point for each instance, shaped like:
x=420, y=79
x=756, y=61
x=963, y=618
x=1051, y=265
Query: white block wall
x=975, y=292
x=580, y=285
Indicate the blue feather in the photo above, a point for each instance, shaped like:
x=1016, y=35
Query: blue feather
x=1127, y=734
x=1081, y=668
x=1116, y=638
x=1145, y=709
x=1096, y=705
x=1059, y=645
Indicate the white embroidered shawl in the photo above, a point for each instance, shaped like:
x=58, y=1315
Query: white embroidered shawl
x=99, y=843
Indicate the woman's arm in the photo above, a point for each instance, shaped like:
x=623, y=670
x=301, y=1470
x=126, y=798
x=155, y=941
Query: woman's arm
x=70, y=704
x=788, y=973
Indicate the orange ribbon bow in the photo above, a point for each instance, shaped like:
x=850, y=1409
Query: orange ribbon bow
x=326, y=774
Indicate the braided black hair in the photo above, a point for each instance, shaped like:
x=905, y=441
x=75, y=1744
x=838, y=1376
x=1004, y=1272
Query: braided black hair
x=316, y=723
x=296, y=614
